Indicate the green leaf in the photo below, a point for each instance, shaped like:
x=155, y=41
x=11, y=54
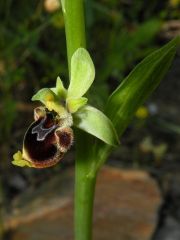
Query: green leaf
x=93, y=121
x=138, y=85
x=82, y=73
x=132, y=93
x=44, y=95
x=73, y=104
x=60, y=90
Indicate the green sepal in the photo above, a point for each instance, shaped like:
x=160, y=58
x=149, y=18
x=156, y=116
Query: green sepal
x=44, y=95
x=50, y=100
x=59, y=90
x=74, y=104
x=82, y=73
x=19, y=161
x=94, y=122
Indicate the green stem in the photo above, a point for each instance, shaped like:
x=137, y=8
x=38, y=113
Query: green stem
x=84, y=187
x=84, y=196
x=84, y=182
x=73, y=11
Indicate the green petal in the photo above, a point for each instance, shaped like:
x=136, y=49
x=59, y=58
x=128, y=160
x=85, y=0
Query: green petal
x=82, y=73
x=44, y=95
x=60, y=90
x=93, y=121
x=50, y=100
x=73, y=104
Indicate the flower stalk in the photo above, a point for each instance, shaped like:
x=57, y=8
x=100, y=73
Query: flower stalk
x=84, y=184
x=73, y=12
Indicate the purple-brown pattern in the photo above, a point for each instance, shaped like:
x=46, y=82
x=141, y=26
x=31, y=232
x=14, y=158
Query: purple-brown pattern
x=64, y=138
x=46, y=140
x=39, y=141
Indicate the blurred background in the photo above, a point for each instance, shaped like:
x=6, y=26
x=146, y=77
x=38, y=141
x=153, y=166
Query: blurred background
x=120, y=33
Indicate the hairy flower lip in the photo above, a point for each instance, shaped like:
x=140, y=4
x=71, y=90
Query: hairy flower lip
x=43, y=164
x=45, y=141
x=39, y=146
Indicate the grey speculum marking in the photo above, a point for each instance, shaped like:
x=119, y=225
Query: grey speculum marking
x=41, y=131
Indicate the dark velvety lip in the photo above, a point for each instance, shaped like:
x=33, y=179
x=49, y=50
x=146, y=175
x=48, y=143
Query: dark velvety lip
x=48, y=162
x=45, y=148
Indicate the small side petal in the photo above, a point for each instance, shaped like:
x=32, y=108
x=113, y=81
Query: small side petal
x=60, y=90
x=44, y=95
x=73, y=104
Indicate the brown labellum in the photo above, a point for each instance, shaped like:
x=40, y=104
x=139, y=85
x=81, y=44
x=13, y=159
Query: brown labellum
x=46, y=141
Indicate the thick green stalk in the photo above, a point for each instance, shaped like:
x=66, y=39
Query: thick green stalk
x=84, y=206
x=73, y=11
x=84, y=196
x=84, y=187
x=84, y=182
